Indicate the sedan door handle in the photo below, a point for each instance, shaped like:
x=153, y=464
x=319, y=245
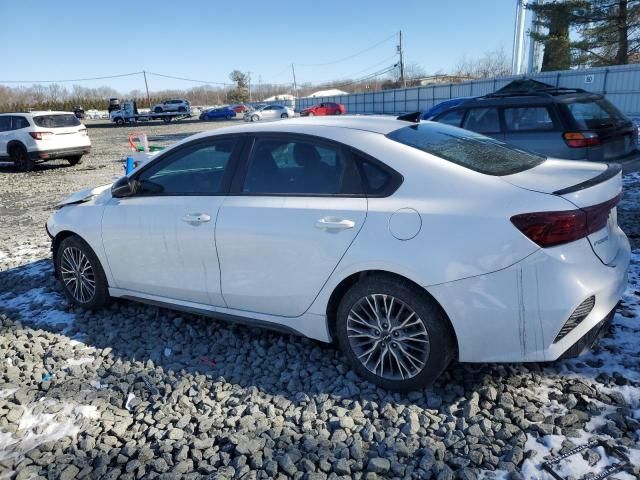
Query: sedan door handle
x=332, y=223
x=196, y=218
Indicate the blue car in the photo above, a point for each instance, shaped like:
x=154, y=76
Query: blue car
x=442, y=106
x=223, y=112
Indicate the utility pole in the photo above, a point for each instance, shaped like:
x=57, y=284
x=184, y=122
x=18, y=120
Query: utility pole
x=403, y=80
x=295, y=85
x=146, y=85
x=249, y=84
x=518, y=38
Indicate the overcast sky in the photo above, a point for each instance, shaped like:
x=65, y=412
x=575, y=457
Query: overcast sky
x=207, y=39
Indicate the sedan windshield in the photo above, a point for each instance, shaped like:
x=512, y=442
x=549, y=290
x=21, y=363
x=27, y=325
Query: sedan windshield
x=463, y=147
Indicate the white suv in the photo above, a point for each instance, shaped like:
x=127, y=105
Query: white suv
x=27, y=138
x=172, y=106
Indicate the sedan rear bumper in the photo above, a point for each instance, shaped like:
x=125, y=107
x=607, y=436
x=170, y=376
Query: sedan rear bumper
x=516, y=314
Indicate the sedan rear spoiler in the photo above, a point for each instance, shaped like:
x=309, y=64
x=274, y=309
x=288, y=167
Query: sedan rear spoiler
x=612, y=170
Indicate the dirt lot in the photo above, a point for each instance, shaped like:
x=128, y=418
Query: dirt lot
x=134, y=391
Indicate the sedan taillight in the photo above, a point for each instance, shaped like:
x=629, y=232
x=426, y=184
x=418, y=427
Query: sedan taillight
x=41, y=135
x=549, y=229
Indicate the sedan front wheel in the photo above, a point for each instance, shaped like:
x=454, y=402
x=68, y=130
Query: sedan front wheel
x=79, y=270
x=393, y=333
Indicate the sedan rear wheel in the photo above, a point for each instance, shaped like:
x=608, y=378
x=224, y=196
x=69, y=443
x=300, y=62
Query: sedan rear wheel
x=81, y=274
x=255, y=118
x=284, y=115
x=393, y=334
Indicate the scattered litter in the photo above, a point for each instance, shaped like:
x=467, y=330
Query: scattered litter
x=208, y=361
x=167, y=352
x=46, y=377
x=79, y=361
x=612, y=451
x=97, y=385
x=9, y=362
x=130, y=397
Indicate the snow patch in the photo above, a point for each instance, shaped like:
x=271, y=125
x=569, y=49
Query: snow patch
x=38, y=428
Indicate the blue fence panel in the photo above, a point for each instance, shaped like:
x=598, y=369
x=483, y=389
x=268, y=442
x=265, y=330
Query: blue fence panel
x=619, y=84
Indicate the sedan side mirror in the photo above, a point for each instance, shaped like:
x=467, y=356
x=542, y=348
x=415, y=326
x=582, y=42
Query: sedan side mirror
x=123, y=187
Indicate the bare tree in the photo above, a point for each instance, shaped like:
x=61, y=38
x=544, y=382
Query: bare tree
x=491, y=64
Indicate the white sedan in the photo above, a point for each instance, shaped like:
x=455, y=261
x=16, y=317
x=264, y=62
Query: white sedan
x=410, y=244
x=268, y=112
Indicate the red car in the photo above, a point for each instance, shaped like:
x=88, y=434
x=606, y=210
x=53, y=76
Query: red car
x=240, y=108
x=328, y=108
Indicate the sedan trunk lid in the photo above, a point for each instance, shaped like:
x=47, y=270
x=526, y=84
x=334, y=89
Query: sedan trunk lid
x=594, y=188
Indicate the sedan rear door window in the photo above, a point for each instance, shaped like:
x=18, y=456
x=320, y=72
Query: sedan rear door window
x=463, y=147
x=285, y=167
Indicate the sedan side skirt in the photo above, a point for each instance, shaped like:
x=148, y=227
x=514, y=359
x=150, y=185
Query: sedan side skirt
x=310, y=325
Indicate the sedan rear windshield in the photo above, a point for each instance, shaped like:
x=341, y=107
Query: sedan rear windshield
x=56, y=121
x=596, y=114
x=463, y=147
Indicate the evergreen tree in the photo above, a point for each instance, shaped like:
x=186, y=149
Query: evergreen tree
x=610, y=33
x=556, y=17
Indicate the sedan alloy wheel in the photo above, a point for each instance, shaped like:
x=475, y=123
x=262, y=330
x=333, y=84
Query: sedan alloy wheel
x=388, y=337
x=77, y=275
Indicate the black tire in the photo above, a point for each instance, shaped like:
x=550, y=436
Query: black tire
x=441, y=341
x=229, y=117
x=21, y=159
x=338, y=112
x=167, y=119
x=100, y=296
x=76, y=160
x=119, y=121
x=255, y=118
x=158, y=110
x=284, y=115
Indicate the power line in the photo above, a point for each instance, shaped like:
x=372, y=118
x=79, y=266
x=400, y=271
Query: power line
x=351, y=75
x=368, y=77
x=350, y=56
x=72, y=80
x=188, y=79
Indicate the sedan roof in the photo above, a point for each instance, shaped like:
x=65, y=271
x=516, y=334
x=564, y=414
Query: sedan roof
x=382, y=124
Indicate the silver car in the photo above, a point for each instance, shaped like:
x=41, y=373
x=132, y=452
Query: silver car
x=268, y=112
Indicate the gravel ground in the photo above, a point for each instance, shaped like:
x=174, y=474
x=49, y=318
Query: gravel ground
x=140, y=392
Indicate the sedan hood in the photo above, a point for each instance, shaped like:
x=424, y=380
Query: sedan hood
x=82, y=196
